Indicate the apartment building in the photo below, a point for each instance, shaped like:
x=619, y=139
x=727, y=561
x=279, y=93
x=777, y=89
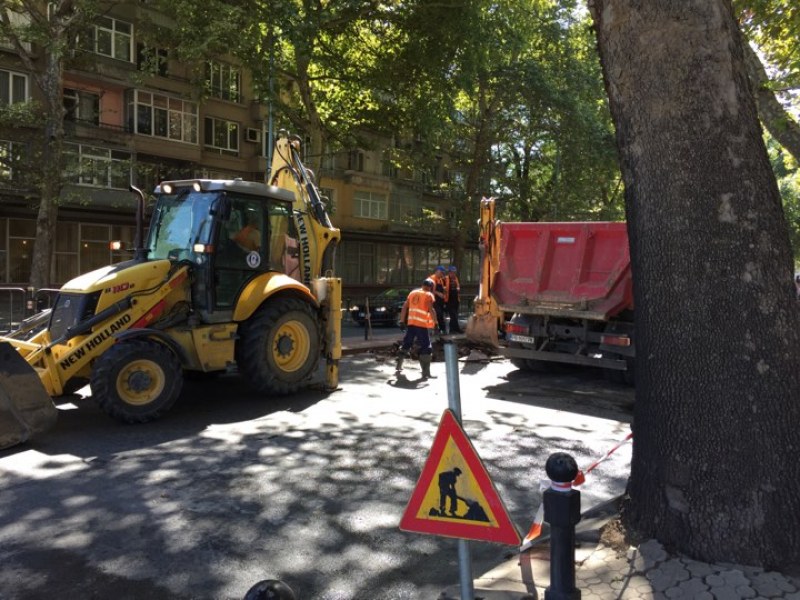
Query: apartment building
x=194, y=120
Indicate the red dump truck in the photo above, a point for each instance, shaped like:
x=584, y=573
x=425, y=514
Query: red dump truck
x=556, y=293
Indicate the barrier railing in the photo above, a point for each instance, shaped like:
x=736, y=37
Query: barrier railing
x=18, y=303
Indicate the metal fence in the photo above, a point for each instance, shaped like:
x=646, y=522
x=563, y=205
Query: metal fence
x=18, y=303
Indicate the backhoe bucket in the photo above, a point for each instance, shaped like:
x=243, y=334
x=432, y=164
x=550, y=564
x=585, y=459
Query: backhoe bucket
x=25, y=406
x=482, y=329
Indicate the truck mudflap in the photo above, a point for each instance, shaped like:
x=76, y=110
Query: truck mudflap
x=26, y=409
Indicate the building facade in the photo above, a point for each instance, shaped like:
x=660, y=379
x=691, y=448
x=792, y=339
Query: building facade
x=126, y=125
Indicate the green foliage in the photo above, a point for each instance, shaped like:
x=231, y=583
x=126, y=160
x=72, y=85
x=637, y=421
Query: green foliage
x=787, y=173
x=28, y=114
x=506, y=96
x=528, y=120
x=558, y=155
x=774, y=26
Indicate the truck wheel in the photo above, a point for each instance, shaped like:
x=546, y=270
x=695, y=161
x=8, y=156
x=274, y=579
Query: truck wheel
x=136, y=381
x=278, y=347
x=613, y=375
x=528, y=364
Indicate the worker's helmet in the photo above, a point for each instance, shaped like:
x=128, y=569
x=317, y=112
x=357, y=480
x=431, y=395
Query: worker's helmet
x=440, y=268
x=453, y=268
x=428, y=282
x=457, y=471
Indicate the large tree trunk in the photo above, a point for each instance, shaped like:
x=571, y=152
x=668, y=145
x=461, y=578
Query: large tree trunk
x=714, y=471
x=50, y=82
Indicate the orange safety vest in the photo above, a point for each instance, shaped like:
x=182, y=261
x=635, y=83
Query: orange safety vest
x=455, y=284
x=419, y=309
x=245, y=238
x=440, y=284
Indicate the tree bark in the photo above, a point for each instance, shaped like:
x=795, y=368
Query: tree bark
x=714, y=473
x=50, y=82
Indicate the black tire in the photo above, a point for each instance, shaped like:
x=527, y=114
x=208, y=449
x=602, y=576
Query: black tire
x=616, y=376
x=137, y=381
x=73, y=385
x=528, y=364
x=278, y=347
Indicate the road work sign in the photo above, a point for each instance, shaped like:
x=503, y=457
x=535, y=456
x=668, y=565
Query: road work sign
x=454, y=496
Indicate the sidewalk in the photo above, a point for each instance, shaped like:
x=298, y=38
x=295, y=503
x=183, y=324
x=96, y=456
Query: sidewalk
x=647, y=572
x=357, y=344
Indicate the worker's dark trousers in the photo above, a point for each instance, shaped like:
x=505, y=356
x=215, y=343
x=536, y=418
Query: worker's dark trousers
x=452, y=310
x=438, y=306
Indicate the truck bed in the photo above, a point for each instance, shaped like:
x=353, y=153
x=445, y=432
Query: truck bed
x=576, y=269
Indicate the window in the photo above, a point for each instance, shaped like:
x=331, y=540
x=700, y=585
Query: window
x=150, y=171
x=152, y=60
x=406, y=208
x=10, y=157
x=370, y=205
x=13, y=87
x=22, y=233
x=223, y=81
x=328, y=157
x=398, y=264
x=355, y=160
x=82, y=106
x=111, y=37
x=94, y=250
x=99, y=167
x=329, y=198
x=222, y=135
x=125, y=234
x=66, y=251
x=162, y=116
x=19, y=21
x=388, y=168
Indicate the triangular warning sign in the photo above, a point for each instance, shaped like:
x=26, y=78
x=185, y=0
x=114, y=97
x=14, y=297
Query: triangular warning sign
x=454, y=496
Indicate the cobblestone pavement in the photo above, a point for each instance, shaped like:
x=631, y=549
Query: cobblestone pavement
x=644, y=573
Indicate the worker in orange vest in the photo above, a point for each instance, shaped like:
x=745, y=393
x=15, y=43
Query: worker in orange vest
x=249, y=236
x=440, y=289
x=453, y=299
x=418, y=316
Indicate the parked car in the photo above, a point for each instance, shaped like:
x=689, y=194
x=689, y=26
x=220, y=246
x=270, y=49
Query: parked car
x=384, y=309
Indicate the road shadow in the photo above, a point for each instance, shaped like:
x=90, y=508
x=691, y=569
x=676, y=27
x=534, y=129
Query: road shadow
x=402, y=381
x=84, y=430
x=578, y=390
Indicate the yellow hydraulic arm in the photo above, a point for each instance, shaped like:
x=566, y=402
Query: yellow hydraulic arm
x=318, y=242
x=483, y=323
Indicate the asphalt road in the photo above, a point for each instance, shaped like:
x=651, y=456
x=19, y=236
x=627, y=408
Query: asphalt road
x=228, y=489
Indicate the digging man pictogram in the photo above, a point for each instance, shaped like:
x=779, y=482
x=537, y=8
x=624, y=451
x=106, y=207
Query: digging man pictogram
x=447, y=489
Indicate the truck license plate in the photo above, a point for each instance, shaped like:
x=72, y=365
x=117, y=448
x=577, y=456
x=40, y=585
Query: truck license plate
x=524, y=339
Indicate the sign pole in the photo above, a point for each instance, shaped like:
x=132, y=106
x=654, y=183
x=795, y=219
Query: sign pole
x=454, y=404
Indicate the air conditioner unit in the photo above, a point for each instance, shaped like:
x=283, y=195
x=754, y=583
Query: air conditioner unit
x=253, y=135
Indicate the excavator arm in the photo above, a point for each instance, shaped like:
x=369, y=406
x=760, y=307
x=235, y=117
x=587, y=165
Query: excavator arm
x=483, y=324
x=318, y=242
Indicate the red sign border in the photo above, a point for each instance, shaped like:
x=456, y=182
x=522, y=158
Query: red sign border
x=504, y=533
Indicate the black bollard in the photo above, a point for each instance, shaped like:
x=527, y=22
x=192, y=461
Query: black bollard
x=270, y=589
x=562, y=510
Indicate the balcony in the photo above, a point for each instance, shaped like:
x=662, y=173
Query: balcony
x=100, y=132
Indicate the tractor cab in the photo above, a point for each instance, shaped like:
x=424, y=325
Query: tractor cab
x=229, y=231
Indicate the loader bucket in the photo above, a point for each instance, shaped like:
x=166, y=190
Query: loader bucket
x=25, y=406
x=482, y=329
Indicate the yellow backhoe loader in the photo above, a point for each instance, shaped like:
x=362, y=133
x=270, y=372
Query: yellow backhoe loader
x=232, y=273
